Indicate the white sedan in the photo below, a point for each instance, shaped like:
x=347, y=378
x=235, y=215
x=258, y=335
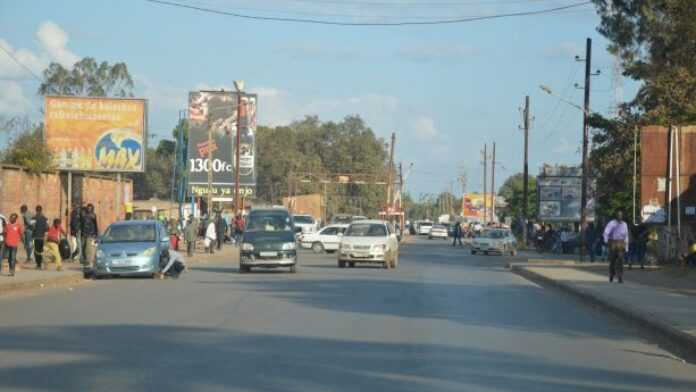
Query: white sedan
x=369, y=241
x=438, y=231
x=495, y=241
x=326, y=239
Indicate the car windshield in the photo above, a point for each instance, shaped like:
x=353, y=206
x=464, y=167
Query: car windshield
x=303, y=219
x=269, y=222
x=366, y=230
x=426, y=224
x=130, y=233
x=497, y=234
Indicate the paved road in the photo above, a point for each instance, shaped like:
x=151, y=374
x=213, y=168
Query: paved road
x=444, y=321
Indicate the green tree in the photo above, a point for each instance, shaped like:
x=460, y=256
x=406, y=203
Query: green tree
x=513, y=192
x=87, y=78
x=30, y=150
x=656, y=42
x=156, y=181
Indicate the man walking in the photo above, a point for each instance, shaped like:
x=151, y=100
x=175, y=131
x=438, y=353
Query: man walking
x=238, y=228
x=90, y=231
x=210, y=236
x=28, y=237
x=13, y=234
x=40, y=229
x=190, y=235
x=220, y=230
x=457, y=234
x=76, y=232
x=616, y=238
x=52, y=242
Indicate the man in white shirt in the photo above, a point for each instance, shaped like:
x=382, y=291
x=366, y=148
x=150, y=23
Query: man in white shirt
x=173, y=265
x=616, y=238
x=210, y=235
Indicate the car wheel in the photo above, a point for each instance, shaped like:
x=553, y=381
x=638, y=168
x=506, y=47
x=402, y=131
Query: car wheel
x=341, y=264
x=485, y=253
x=244, y=269
x=293, y=269
x=386, y=265
x=317, y=247
x=473, y=252
x=352, y=264
x=430, y=238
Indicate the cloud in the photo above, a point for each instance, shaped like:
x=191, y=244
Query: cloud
x=315, y=51
x=424, y=128
x=429, y=52
x=10, y=70
x=13, y=101
x=565, y=50
x=54, y=41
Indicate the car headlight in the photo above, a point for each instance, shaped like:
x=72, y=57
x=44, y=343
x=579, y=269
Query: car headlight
x=380, y=247
x=247, y=247
x=149, y=251
x=288, y=246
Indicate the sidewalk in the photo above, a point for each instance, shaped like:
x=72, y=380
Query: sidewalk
x=647, y=299
x=28, y=278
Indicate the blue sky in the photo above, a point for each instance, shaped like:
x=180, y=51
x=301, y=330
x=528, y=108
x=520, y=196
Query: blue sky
x=445, y=90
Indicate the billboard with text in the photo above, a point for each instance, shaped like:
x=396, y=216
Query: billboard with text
x=96, y=134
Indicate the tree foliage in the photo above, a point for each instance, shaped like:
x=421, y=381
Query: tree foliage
x=513, y=192
x=30, y=150
x=156, y=181
x=87, y=78
x=309, y=145
x=656, y=42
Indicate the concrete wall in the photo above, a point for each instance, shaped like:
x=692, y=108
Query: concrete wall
x=50, y=190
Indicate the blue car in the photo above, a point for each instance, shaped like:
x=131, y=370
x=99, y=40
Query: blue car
x=131, y=248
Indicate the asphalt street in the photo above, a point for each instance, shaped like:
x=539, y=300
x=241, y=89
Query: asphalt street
x=443, y=321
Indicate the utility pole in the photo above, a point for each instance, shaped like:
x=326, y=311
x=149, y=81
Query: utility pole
x=585, y=137
x=239, y=86
x=493, y=186
x=209, y=166
x=390, y=176
x=402, y=219
x=485, y=187
x=525, y=217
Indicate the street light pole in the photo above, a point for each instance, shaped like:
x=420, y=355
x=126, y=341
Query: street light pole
x=585, y=141
x=239, y=86
x=525, y=201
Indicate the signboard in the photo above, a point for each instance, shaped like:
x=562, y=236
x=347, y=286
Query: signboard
x=559, y=197
x=97, y=134
x=653, y=213
x=217, y=111
x=472, y=205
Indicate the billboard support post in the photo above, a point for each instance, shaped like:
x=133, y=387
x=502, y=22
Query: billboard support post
x=118, y=195
x=585, y=137
x=210, y=165
x=236, y=150
x=67, y=220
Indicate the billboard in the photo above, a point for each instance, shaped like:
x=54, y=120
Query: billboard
x=217, y=111
x=96, y=134
x=472, y=205
x=559, y=194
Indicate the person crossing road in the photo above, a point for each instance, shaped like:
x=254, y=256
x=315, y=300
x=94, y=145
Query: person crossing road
x=616, y=238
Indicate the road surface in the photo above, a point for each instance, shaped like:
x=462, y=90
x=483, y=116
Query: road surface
x=443, y=321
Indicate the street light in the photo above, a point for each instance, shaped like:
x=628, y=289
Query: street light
x=239, y=86
x=548, y=91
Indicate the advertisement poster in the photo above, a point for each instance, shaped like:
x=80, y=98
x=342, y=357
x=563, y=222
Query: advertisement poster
x=472, y=205
x=559, y=197
x=96, y=134
x=214, y=114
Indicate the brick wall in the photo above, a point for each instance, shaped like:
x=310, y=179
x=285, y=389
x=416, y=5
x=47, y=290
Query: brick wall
x=50, y=190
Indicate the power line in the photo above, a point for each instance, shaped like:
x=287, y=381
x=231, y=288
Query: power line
x=417, y=3
x=336, y=23
x=12, y=56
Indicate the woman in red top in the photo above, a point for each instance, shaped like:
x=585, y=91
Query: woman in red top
x=13, y=235
x=53, y=239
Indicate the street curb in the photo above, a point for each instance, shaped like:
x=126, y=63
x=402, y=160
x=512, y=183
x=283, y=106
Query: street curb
x=54, y=282
x=674, y=340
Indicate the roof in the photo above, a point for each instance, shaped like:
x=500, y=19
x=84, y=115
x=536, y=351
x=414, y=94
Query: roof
x=135, y=222
x=370, y=221
x=255, y=210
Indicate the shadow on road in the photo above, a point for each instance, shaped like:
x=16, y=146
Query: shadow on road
x=146, y=358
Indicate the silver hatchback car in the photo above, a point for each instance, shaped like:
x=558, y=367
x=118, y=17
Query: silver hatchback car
x=131, y=248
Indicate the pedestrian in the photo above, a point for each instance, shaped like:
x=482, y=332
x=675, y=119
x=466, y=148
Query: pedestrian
x=238, y=227
x=13, y=235
x=76, y=233
x=190, y=235
x=3, y=222
x=640, y=240
x=616, y=237
x=565, y=239
x=172, y=264
x=28, y=237
x=53, y=237
x=457, y=234
x=90, y=232
x=220, y=229
x=210, y=236
x=590, y=239
x=40, y=229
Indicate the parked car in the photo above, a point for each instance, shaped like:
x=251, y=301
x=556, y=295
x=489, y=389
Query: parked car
x=342, y=219
x=369, y=241
x=268, y=240
x=306, y=222
x=494, y=241
x=438, y=231
x=131, y=248
x=424, y=228
x=327, y=239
